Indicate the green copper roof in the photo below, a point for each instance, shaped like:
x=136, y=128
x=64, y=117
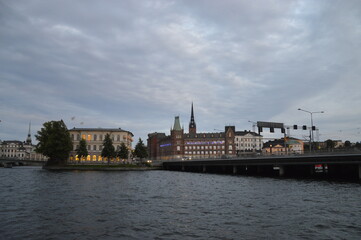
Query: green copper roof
x=177, y=125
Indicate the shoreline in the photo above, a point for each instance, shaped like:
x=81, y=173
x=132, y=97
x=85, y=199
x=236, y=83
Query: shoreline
x=97, y=168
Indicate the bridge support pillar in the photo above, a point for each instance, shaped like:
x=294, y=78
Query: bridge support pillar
x=234, y=169
x=281, y=171
x=204, y=168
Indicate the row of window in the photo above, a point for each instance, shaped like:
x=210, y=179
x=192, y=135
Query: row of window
x=13, y=155
x=94, y=147
x=248, y=139
x=249, y=145
x=205, y=152
x=204, y=147
x=90, y=137
x=93, y=158
x=10, y=150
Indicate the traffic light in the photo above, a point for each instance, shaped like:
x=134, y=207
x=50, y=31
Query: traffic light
x=295, y=127
x=304, y=127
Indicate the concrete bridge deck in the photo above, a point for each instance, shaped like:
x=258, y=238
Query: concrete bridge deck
x=331, y=165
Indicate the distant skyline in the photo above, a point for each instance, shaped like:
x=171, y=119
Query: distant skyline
x=138, y=64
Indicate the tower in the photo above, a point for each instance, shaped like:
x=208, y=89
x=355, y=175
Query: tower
x=177, y=141
x=192, y=124
x=28, y=139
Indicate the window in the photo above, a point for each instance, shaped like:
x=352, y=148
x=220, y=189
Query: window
x=83, y=136
x=101, y=137
x=78, y=137
x=118, y=138
x=89, y=137
x=94, y=157
x=95, y=147
x=72, y=136
x=178, y=148
x=95, y=137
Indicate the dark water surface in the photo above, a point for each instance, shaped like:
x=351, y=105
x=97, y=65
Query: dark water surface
x=37, y=204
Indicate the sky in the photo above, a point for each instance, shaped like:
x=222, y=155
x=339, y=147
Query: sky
x=138, y=64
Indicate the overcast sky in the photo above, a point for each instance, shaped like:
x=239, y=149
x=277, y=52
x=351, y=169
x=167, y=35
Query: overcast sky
x=138, y=64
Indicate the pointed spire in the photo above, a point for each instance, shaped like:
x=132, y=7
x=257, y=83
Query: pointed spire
x=28, y=139
x=192, y=123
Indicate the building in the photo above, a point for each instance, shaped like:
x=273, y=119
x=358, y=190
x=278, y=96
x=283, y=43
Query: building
x=94, y=139
x=193, y=144
x=278, y=147
x=248, y=142
x=20, y=150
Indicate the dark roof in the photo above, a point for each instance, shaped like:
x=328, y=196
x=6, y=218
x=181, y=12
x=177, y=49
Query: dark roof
x=242, y=133
x=101, y=130
x=12, y=141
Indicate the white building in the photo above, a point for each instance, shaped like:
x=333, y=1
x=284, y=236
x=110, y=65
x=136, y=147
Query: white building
x=94, y=139
x=248, y=142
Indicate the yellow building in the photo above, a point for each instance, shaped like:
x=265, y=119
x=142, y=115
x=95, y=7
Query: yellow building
x=94, y=138
x=278, y=147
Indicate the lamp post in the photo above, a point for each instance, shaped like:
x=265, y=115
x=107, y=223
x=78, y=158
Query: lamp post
x=311, y=113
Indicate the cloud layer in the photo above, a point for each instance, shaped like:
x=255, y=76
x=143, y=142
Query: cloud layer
x=137, y=64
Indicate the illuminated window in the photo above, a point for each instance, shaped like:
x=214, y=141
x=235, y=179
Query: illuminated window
x=100, y=158
x=178, y=148
x=89, y=137
x=88, y=158
x=83, y=136
x=94, y=157
x=77, y=157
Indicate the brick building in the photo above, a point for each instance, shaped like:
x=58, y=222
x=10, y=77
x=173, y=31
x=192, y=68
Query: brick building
x=193, y=144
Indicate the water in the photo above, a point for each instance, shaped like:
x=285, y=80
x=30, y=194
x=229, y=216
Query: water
x=37, y=204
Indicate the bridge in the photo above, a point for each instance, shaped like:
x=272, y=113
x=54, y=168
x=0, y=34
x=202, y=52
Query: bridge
x=9, y=162
x=329, y=166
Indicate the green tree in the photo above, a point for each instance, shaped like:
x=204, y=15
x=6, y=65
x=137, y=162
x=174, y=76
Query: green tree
x=123, y=152
x=54, y=142
x=82, y=151
x=330, y=144
x=108, y=148
x=140, y=150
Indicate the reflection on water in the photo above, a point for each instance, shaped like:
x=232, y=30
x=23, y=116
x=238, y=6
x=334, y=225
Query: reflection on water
x=37, y=204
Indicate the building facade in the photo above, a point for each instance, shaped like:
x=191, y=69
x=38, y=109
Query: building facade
x=181, y=145
x=20, y=150
x=248, y=142
x=94, y=138
x=280, y=147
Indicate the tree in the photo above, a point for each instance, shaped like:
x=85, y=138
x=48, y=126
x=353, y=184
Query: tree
x=347, y=144
x=108, y=148
x=82, y=151
x=54, y=142
x=140, y=150
x=123, y=152
x=330, y=144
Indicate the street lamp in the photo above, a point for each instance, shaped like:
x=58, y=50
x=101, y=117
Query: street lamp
x=311, y=113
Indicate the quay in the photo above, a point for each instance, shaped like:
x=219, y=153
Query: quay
x=344, y=166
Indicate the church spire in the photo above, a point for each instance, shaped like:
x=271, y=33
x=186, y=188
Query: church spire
x=28, y=139
x=192, y=123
